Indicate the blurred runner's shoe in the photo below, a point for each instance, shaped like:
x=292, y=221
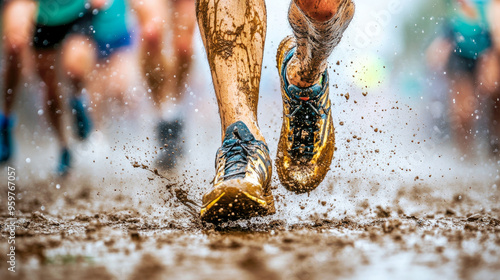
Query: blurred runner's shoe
x=64, y=162
x=307, y=140
x=242, y=183
x=169, y=134
x=6, y=141
x=82, y=120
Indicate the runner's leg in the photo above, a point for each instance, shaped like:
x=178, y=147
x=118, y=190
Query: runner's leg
x=463, y=103
x=233, y=32
x=45, y=65
x=318, y=26
x=17, y=33
x=307, y=140
x=78, y=59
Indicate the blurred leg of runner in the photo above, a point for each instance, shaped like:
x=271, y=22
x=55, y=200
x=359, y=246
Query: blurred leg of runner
x=45, y=65
x=494, y=118
x=152, y=17
x=78, y=60
x=463, y=103
x=153, y=20
x=183, y=22
x=233, y=32
x=468, y=32
x=491, y=78
x=53, y=27
x=112, y=75
x=17, y=27
x=166, y=81
x=111, y=82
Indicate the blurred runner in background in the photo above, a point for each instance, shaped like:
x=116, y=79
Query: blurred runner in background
x=167, y=78
x=112, y=76
x=63, y=30
x=17, y=31
x=458, y=52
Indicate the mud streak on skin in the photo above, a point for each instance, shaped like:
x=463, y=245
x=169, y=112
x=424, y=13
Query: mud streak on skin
x=315, y=41
x=234, y=33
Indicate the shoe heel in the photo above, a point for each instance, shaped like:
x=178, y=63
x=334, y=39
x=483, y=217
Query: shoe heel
x=285, y=45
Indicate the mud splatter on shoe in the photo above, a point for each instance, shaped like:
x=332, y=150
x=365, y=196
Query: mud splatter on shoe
x=307, y=140
x=242, y=183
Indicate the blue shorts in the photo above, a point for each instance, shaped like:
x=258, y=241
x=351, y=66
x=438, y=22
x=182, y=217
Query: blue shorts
x=107, y=48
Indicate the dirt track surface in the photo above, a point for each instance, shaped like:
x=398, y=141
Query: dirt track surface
x=374, y=242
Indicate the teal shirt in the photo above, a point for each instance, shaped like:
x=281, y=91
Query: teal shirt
x=111, y=24
x=59, y=12
x=470, y=35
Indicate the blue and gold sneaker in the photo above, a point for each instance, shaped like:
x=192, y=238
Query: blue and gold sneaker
x=242, y=183
x=307, y=141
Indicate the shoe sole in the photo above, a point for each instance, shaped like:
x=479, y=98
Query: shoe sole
x=230, y=203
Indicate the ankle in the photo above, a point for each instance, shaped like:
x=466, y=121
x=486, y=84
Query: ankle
x=301, y=78
x=252, y=126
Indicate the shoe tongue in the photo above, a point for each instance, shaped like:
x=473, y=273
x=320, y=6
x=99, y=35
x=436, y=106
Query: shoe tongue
x=310, y=92
x=238, y=130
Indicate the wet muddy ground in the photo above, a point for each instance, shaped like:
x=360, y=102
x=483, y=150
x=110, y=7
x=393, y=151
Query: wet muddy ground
x=125, y=246
x=421, y=233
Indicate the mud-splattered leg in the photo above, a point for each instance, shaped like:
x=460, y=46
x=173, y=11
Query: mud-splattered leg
x=233, y=32
x=307, y=140
x=318, y=26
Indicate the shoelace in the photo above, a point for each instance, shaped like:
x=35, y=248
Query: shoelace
x=305, y=115
x=237, y=158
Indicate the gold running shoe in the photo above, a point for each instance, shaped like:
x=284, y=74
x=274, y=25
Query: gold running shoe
x=307, y=140
x=242, y=183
